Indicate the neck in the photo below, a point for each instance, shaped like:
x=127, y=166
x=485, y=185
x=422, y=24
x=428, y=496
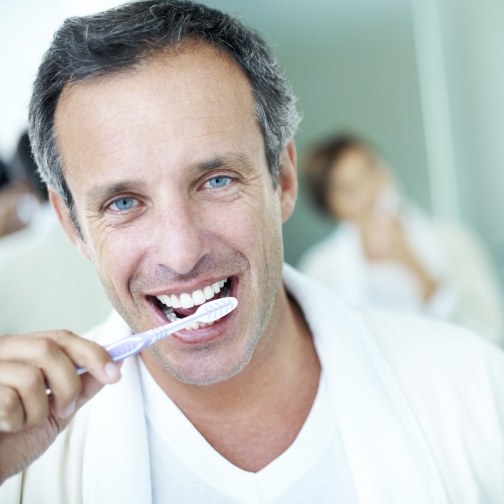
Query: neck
x=254, y=417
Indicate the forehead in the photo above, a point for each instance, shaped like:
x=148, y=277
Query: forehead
x=196, y=94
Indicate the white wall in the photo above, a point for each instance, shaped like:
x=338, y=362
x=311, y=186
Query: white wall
x=26, y=28
x=474, y=48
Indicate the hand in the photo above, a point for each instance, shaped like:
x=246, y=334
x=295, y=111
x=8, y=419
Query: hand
x=30, y=419
x=384, y=238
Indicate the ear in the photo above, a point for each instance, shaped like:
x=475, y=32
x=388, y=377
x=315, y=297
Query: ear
x=287, y=183
x=68, y=226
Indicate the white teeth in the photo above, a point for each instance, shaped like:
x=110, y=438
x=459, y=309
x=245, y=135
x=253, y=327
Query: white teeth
x=186, y=300
x=175, y=301
x=166, y=300
x=195, y=298
x=209, y=293
x=196, y=325
x=198, y=297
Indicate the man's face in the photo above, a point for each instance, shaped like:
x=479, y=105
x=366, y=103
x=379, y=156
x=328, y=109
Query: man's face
x=167, y=169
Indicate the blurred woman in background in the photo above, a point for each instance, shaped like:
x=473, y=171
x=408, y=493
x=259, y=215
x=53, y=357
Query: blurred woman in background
x=386, y=252
x=21, y=190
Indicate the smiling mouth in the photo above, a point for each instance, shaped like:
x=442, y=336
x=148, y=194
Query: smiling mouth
x=176, y=307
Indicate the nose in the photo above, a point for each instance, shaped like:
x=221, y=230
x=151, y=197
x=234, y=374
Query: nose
x=178, y=238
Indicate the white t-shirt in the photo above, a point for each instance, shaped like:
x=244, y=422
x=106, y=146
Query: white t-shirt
x=186, y=469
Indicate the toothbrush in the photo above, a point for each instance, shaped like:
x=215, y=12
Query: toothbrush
x=131, y=345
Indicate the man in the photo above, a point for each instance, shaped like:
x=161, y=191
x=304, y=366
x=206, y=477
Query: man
x=164, y=131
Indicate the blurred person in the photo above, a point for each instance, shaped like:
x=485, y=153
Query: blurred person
x=9, y=219
x=23, y=192
x=165, y=132
x=19, y=200
x=35, y=256
x=18, y=205
x=384, y=251
x=4, y=177
x=23, y=167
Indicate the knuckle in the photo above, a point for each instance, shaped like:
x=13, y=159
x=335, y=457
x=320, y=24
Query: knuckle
x=61, y=334
x=45, y=347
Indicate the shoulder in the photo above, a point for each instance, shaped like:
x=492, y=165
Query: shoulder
x=453, y=382
x=435, y=357
x=419, y=336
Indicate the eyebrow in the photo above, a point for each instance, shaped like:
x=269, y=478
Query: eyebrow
x=228, y=160
x=98, y=194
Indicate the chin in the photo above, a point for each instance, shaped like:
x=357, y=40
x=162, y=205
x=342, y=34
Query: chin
x=205, y=370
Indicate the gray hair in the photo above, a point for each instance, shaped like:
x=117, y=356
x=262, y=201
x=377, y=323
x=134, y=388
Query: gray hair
x=120, y=38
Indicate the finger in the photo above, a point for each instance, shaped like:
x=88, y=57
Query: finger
x=89, y=355
x=57, y=353
x=45, y=356
x=12, y=415
x=82, y=352
x=27, y=402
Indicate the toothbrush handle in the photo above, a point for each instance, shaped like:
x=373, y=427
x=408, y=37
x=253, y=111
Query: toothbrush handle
x=126, y=347
x=122, y=348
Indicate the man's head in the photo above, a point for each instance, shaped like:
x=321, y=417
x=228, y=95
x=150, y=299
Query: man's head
x=120, y=39
x=170, y=175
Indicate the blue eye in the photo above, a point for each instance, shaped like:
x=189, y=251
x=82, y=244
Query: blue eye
x=219, y=181
x=123, y=204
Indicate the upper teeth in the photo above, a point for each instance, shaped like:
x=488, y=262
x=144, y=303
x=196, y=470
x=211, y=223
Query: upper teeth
x=195, y=298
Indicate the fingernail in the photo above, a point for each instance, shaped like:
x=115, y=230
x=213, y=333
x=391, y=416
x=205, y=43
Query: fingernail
x=5, y=426
x=69, y=410
x=112, y=370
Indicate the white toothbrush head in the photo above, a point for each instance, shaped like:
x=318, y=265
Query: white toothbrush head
x=214, y=310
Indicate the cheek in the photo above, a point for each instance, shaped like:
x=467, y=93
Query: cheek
x=259, y=222
x=116, y=254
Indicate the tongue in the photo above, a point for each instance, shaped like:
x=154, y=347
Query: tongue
x=185, y=312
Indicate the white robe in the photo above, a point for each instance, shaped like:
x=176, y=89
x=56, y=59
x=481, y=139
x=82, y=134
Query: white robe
x=468, y=290
x=420, y=408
